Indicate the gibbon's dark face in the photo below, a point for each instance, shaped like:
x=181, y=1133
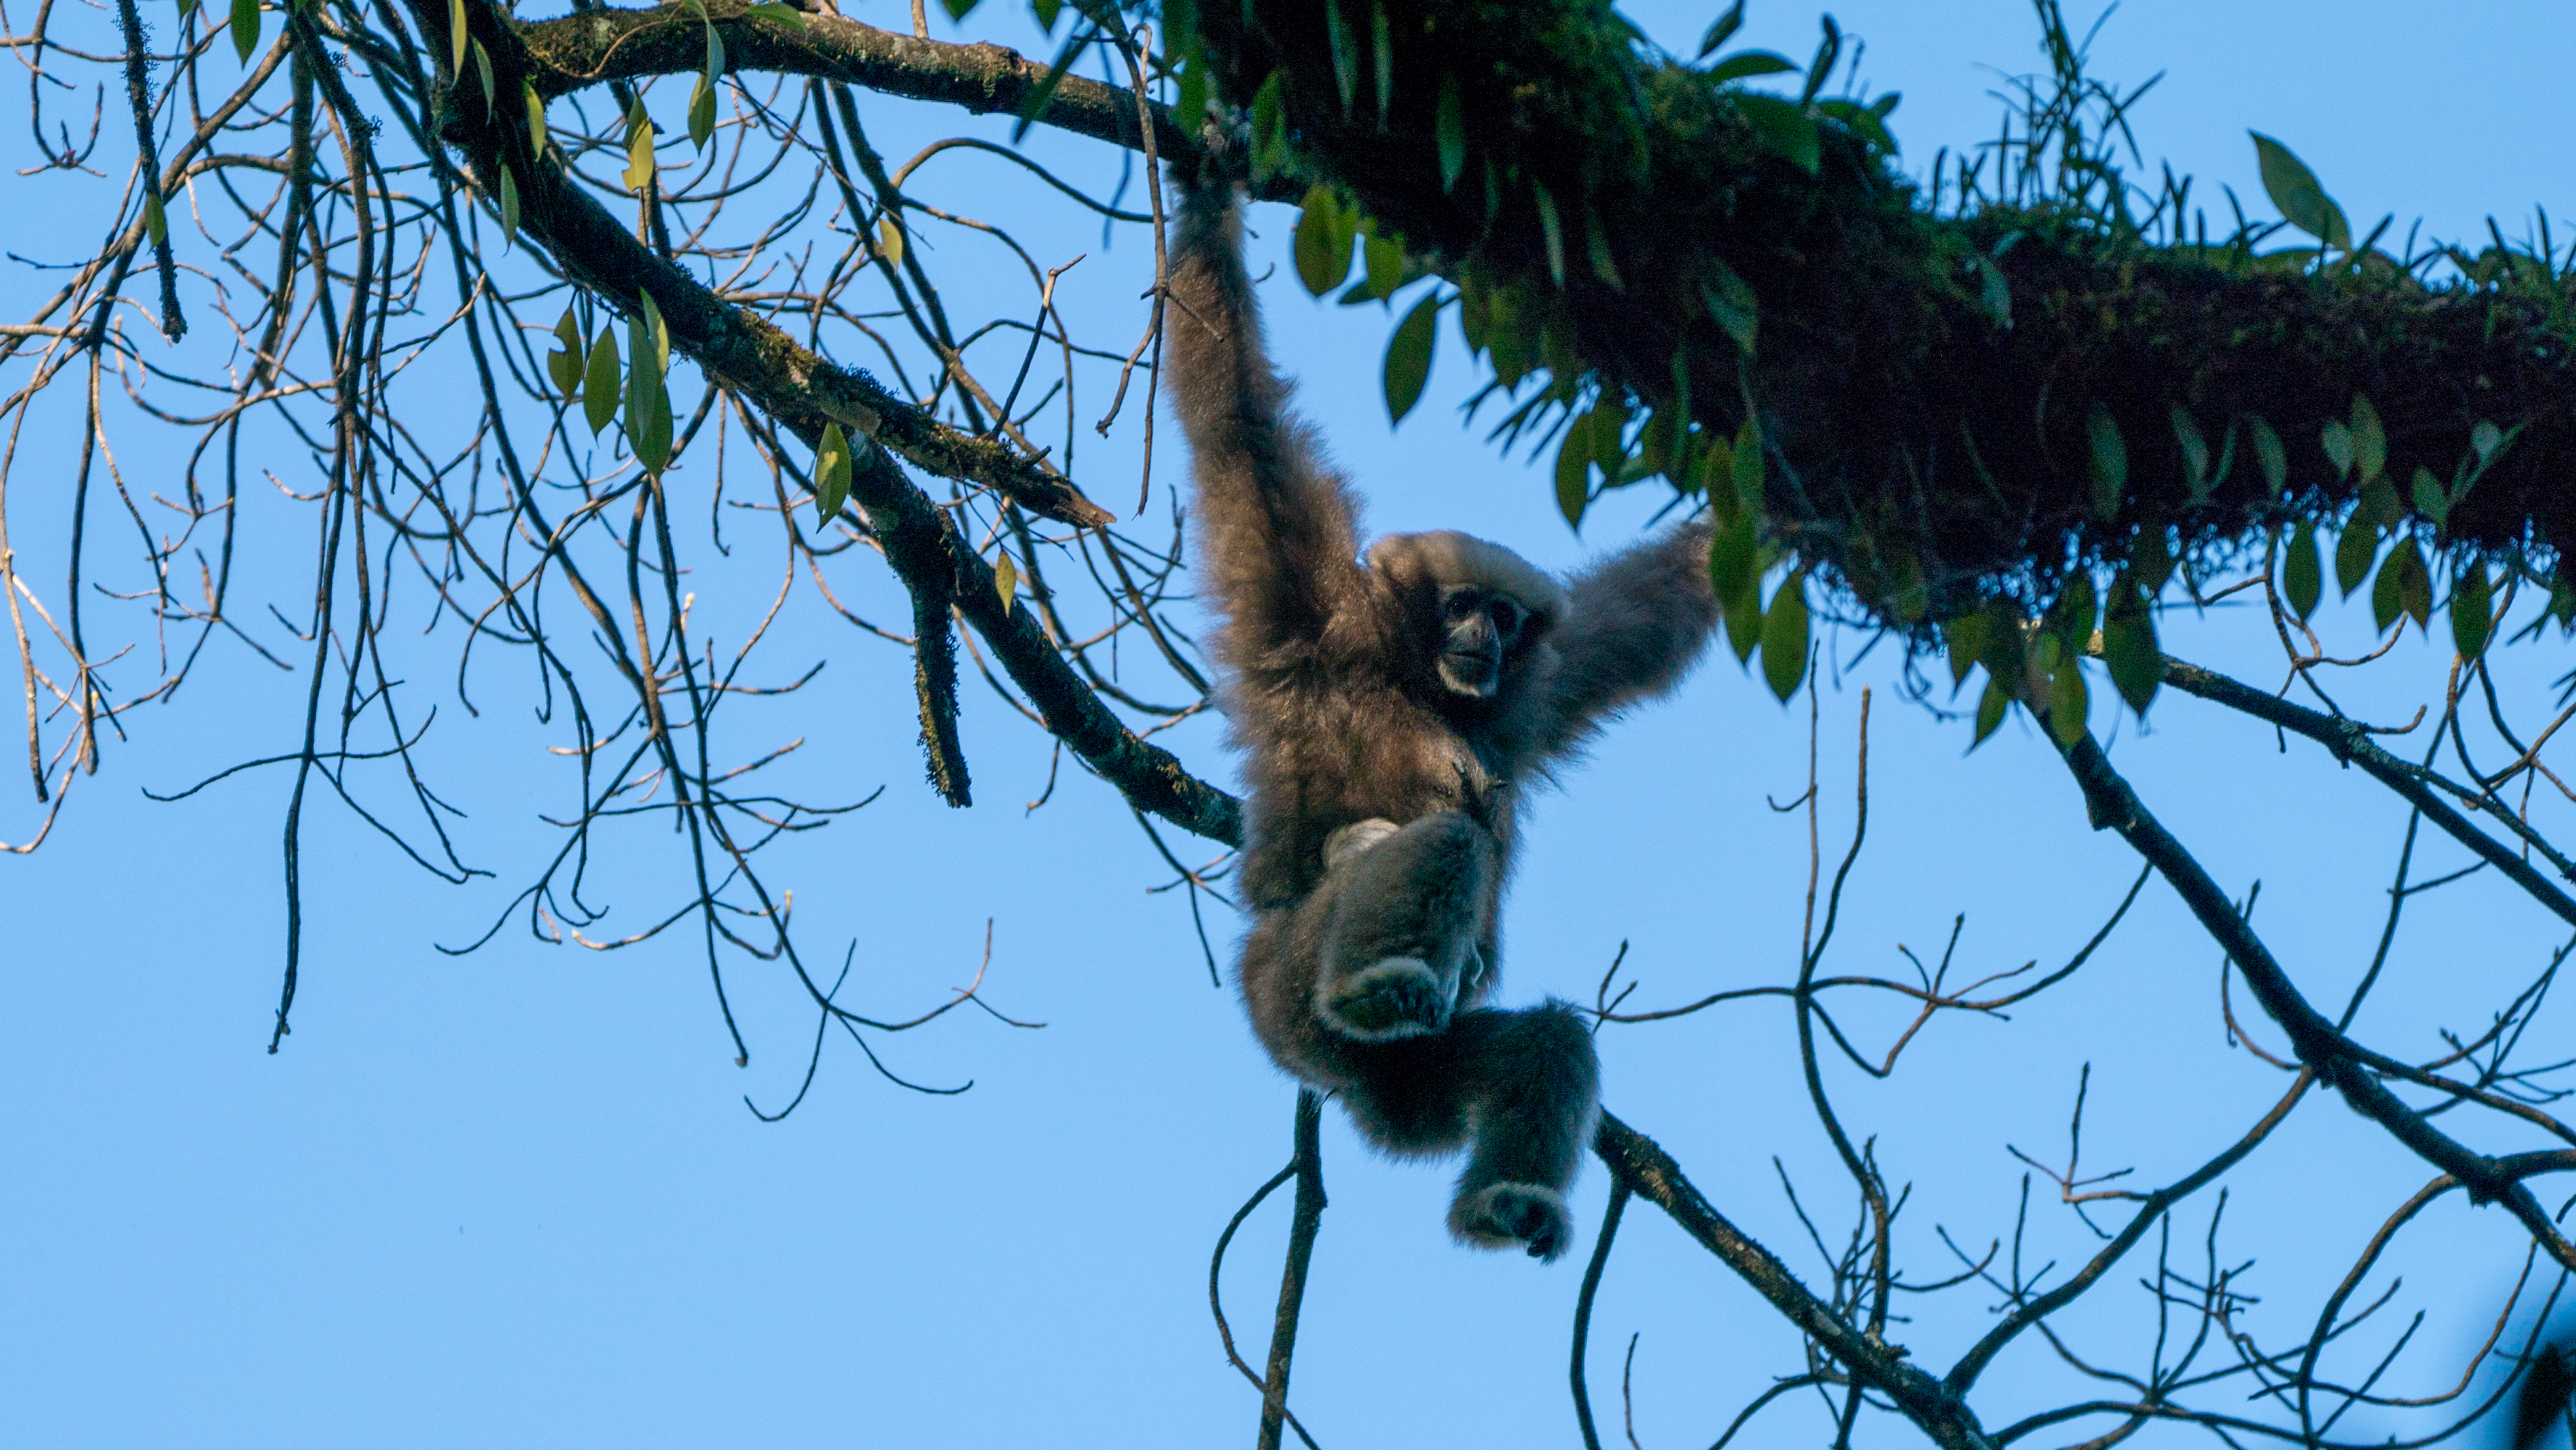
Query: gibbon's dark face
x=1479, y=628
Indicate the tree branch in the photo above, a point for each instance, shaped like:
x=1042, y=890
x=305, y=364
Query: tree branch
x=735, y=346
x=2338, y=1061
x=2351, y=744
x=1649, y=1172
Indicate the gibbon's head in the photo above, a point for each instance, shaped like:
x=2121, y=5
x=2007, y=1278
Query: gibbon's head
x=1473, y=610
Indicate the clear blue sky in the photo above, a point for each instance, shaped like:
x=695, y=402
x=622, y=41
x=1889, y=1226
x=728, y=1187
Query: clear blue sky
x=514, y=1199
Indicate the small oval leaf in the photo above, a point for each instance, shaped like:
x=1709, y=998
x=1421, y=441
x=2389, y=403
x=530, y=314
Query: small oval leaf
x=1319, y=265
x=2302, y=578
x=1784, y=637
x=1408, y=357
x=2297, y=192
x=600, y=383
x=2472, y=609
x=832, y=474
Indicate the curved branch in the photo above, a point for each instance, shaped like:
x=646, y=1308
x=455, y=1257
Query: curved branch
x=2338, y=1061
x=1650, y=1172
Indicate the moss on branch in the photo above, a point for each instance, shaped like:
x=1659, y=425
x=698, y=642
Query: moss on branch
x=1927, y=444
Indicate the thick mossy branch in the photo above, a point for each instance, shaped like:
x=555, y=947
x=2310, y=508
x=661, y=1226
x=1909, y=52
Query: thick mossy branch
x=1923, y=441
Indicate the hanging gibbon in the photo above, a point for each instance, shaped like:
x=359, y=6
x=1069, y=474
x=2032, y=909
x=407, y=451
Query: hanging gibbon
x=1391, y=705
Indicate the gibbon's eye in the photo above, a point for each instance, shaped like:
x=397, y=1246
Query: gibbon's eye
x=1506, y=616
x=1461, y=604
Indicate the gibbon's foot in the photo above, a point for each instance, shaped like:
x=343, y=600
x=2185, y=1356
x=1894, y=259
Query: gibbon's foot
x=1501, y=1214
x=1399, y=997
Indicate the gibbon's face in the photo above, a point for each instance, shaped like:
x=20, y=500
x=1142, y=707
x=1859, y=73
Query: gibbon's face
x=1479, y=629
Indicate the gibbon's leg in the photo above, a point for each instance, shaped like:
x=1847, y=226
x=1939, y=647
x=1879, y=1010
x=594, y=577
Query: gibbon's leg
x=1404, y=913
x=1533, y=1089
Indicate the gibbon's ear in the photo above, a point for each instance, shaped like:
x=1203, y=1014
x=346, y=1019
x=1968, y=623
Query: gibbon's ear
x=1445, y=556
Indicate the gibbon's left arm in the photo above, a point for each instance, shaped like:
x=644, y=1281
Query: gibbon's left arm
x=1634, y=623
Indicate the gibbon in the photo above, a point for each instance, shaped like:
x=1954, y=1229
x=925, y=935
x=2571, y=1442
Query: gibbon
x=1391, y=706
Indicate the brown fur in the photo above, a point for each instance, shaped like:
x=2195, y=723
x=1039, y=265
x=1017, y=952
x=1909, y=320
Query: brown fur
x=1365, y=974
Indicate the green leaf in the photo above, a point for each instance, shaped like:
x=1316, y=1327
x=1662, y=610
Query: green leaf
x=2301, y=575
x=639, y=150
x=536, y=118
x=1965, y=640
x=777, y=14
x=2274, y=458
x=1994, y=290
x=1408, y=357
x=2353, y=553
x=1346, y=60
x=483, y=69
x=2484, y=440
x=1574, y=473
x=831, y=474
x=1748, y=465
x=456, y=37
x=245, y=27
x=1046, y=10
x=1319, y=265
x=2369, y=440
x=2110, y=461
x=1190, y=103
x=2430, y=500
x=563, y=365
x=2337, y=440
x=1745, y=64
x=702, y=101
x=2388, y=591
x=1451, y=126
x=1006, y=579
x=2195, y=455
x=1783, y=128
x=656, y=333
x=1784, y=637
x=1382, y=51
x=2300, y=196
x=648, y=397
x=2005, y=654
x=2071, y=615
x=1269, y=127
x=1384, y=259
x=1861, y=122
x=958, y=9
x=1990, y=710
x=1552, y=231
x=156, y=223
x=1596, y=240
x=509, y=205
x=2129, y=646
x=1732, y=555
x=2415, y=583
x=890, y=238
x=600, y=383
x=2151, y=560
x=1822, y=67
x=2068, y=701
x=2378, y=504
x=702, y=114
x=1725, y=27
x=1730, y=301
x=2472, y=609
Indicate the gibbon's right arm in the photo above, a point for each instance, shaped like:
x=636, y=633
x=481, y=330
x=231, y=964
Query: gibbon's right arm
x=1635, y=622
x=1275, y=523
